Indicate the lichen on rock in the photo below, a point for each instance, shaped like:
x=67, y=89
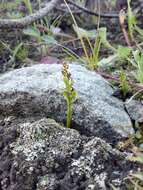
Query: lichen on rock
x=45, y=135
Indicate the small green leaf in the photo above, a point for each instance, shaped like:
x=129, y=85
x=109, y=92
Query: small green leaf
x=124, y=87
x=139, y=30
x=138, y=135
x=138, y=63
x=74, y=94
x=49, y=39
x=15, y=51
x=85, y=33
x=108, y=61
x=123, y=52
x=103, y=34
x=137, y=158
x=32, y=31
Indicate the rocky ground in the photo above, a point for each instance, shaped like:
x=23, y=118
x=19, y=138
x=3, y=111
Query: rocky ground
x=38, y=153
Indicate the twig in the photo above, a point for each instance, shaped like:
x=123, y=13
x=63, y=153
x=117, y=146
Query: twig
x=122, y=24
x=27, y=20
x=104, y=15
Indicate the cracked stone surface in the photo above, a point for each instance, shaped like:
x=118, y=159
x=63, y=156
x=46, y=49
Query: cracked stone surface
x=98, y=166
x=135, y=110
x=30, y=149
x=37, y=91
x=39, y=154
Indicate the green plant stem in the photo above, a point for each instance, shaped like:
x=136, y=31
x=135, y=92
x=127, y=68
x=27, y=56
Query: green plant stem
x=29, y=6
x=30, y=9
x=97, y=49
x=130, y=25
x=69, y=113
x=81, y=39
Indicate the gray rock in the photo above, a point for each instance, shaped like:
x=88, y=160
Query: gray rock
x=135, y=110
x=37, y=91
x=46, y=139
x=32, y=149
x=97, y=168
x=47, y=182
x=43, y=155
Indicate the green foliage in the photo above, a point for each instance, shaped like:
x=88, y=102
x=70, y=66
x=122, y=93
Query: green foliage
x=131, y=20
x=15, y=15
x=138, y=63
x=139, y=30
x=99, y=38
x=44, y=39
x=29, y=6
x=32, y=31
x=139, y=132
x=124, y=87
x=123, y=53
x=22, y=53
x=132, y=23
x=103, y=36
x=19, y=52
x=69, y=92
x=9, y=5
x=50, y=40
x=136, y=179
x=138, y=158
x=91, y=34
x=91, y=57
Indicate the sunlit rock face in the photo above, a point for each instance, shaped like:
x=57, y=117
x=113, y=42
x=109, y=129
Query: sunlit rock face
x=38, y=91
